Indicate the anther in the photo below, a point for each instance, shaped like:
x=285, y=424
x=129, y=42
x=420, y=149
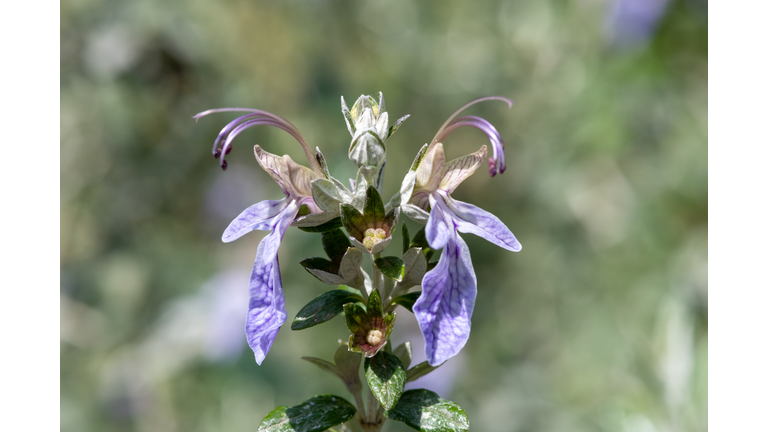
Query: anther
x=217, y=153
x=229, y=149
x=224, y=165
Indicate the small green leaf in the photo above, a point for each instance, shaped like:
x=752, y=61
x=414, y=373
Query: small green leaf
x=323, y=308
x=313, y=415
x=373, y=209
x=374, y=304
x=392, y=267
x=335, y=244
x=406, y=239
x=425, y=411
x=317, y=263
x=328, y=226
x=356, y=317
x=407, y=300
x=386, y=378
x=353, y=220
x=405, y=354
x=419, y=371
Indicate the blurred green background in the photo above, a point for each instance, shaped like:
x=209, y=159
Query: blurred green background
x=599, y=324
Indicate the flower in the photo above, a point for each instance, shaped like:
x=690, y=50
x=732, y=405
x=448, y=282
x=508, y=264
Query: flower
x=266, y=308
x=444, y=308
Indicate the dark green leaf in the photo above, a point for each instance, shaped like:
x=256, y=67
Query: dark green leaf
x=323, y=308
x=313, y=415
x=386, y=378
x=374, y=304
x=317, y=263
x=406, y=239
x=392, y=267
x=356, y=317
x=373, y=209
x=407, y=300
x=330, y=225
x=335, y=243
x=425, y=411
x=353, y=221
x=419, y=371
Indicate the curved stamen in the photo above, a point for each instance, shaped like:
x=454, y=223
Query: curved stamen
x=227, y=146
x=497, y=163
x=467, y=105
x=269, y=119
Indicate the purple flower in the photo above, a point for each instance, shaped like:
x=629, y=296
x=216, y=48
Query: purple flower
x=266, y=308
x=444, y=309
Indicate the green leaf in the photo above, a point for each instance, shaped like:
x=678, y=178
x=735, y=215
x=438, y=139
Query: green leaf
x=328, y=226
x=407, y=300
x=386, y=378
x=373, y=209
x=392, y=267
x=313, y=415
x=353, y=220
x=405, y=354
x=323, y=308
x=425, y=411
x=335, y=244
x=356, y=317
x=406, y=239
x=419, y=371
x=317, y=263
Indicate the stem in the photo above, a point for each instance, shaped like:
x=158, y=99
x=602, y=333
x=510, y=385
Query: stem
x=376, y=275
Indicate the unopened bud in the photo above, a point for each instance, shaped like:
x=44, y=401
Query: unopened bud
x=374, y=337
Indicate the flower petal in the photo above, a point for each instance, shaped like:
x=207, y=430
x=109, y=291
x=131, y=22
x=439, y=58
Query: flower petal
x=266, y=308
x=439, y=227
x=294, y=179
x=458, y=170
x=260, y=216
x=430, y=170
x=444, y=309
x=474, y=220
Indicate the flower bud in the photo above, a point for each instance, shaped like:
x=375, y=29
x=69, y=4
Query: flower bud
x=368, y=123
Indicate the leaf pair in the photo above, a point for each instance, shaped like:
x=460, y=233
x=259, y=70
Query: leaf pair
x=420, y=409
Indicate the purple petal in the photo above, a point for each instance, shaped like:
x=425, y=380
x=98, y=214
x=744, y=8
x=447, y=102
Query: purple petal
x=260, y=216
x=266, y=308
x=439, y=227
x=444, y=309
x=474, y=220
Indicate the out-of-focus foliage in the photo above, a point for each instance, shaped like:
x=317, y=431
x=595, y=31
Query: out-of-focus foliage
x=599, y=324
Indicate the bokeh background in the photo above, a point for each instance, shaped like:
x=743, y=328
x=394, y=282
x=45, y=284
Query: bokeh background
x=599, y=324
